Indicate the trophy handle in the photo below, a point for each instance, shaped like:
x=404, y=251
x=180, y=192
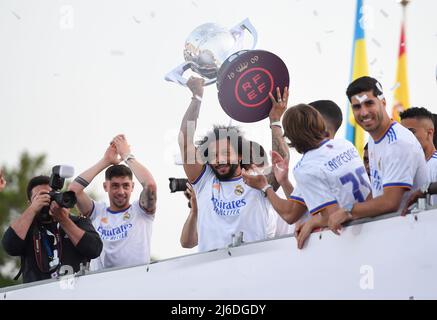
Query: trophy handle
x=176, y=75
x=238, y=31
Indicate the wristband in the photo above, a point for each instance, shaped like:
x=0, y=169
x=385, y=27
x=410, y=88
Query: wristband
x=265, y=188
x=128, y=157
x=197, y=97
x=276, y=124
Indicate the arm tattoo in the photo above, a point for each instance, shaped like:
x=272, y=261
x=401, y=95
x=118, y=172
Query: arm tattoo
x=148, y=200
x=81, y=181
x=278, y=144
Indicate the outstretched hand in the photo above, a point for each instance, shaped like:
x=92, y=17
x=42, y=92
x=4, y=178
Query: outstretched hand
x=121, y=145
x=111, y=156
x=280, y=167
x=279, y=105
x=254, y=178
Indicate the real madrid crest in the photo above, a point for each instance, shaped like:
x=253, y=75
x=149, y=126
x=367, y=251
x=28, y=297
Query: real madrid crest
x=238, y=190
x=126, y=216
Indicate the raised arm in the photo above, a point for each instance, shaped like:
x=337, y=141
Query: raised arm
x=84, y=202
x=192, y=166
x=279, y=105
x=189, y=238
x=22, y=224
x=148, y=195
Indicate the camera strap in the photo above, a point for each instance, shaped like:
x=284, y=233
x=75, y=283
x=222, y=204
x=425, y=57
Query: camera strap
x=41, y=243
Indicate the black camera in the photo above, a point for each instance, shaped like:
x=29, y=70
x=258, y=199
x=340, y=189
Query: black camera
x=66, y=199
x=178, y=184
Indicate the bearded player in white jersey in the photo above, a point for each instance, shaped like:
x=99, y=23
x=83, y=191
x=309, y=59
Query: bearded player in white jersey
x=329, y=176
x=226, y=205
x=397, y=161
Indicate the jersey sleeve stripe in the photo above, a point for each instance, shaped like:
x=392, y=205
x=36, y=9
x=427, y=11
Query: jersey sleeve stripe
x=296, y=199
x=323, y=206
x=397, y=185
x=200, y=175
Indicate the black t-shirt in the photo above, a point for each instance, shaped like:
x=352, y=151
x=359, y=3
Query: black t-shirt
x=89, y=247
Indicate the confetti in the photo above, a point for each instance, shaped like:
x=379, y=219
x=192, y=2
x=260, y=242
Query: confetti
x=117, y=53
x=136, y=20
x=385, y=14
x=376, y=42
x=319, y=48
x=16, y=15
x=397, y=85
x=373, y=61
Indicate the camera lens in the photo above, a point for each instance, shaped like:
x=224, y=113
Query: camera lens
x=178, y=184
x=64, y=199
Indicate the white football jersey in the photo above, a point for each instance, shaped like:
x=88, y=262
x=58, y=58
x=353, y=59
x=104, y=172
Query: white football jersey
x=431, y=165
x=397, y=160
x=125, y=235
x=227, y=208
x=331, y=174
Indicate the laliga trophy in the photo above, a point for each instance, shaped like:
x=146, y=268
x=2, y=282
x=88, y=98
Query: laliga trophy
x=244, y=77
x=207, y=47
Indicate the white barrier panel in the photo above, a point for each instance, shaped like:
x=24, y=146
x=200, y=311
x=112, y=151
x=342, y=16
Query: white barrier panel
x=394, y=258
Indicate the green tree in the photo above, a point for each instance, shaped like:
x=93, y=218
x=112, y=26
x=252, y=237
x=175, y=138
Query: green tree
x=13, y=201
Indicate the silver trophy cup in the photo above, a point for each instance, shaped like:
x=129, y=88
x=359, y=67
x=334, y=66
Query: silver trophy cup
x=207, y=47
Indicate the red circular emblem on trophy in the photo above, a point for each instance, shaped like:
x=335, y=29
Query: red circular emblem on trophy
x=252, y=86
x=245, y=80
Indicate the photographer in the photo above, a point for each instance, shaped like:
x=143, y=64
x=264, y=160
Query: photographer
x=45, y=243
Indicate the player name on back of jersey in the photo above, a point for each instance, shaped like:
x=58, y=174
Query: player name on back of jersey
x=341, y=159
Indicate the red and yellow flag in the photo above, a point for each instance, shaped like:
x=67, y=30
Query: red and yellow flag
x=401, y=96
